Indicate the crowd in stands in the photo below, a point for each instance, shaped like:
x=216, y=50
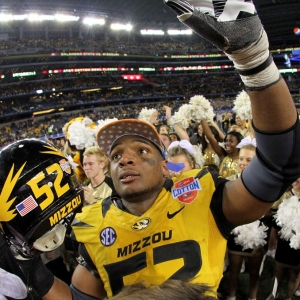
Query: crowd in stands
x=138, y=45
x=16, y=46
x=114, y=97
x=168, y=85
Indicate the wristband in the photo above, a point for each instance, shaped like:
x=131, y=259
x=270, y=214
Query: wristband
x=255, y=65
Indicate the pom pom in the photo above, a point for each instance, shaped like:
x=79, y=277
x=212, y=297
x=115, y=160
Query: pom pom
x=290, y=225
x=202, y=109
x=80, y=132
x=199, y=158
x=182, y=116
x=72, y=162
x=88, y=122
x=146, y=113
x=101, y=123
x=242, y=106
x=81, y=136
x=251, y=235
x=199, y=108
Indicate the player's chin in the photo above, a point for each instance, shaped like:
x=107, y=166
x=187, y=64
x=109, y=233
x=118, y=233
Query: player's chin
x=134, y=195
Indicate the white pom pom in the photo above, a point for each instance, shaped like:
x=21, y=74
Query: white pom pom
x=251, y=235
x=199, y=158
x=242, y=106
x=72, y=162
x=146, y=113
x=289, y=223
x=199, y=108
x=101, y=123
x=87, y=121
x=76, y=134
x=80, y=135
x=202, y=109
x=183, y=116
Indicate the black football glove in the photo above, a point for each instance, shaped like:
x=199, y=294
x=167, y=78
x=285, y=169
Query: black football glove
x=224, y=24
x=235, y=28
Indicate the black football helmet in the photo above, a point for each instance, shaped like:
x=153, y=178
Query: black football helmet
x=38, y=191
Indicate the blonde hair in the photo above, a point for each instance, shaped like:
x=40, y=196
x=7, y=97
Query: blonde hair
x=249, y=147
x=100, y=155
x=177, y=150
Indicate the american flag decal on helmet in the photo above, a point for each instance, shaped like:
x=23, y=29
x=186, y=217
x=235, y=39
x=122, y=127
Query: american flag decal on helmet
x=26, y=206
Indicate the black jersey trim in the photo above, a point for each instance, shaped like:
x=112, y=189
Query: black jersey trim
x=216, y=208
x=85, y=260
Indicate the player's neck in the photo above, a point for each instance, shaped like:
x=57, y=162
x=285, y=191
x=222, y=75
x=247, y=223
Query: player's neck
x=140, y=206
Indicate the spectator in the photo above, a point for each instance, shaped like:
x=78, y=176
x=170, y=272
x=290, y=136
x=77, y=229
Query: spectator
x=95, y=166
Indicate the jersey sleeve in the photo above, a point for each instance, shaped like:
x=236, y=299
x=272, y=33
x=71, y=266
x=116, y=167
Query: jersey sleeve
x=110, y=183
x=223, y=224
x=78, y=295
x=85, y=260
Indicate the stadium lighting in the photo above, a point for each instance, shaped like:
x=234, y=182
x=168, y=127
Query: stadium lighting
x=6, y=18
x=116, y=88
x=93, y=21
x=283, y=71
x=66, y=18
x=34, y=17
x=132, y=77
x=37, y=17
x=48, y=111
x=91, y=90
x=117, y=26
x=152, y=32
x=180, y=32
x=19, y=17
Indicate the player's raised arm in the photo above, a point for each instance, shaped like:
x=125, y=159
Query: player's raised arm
x=235, y=28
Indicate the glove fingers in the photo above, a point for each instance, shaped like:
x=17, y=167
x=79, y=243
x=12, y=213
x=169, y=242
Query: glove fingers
x=180, y=6
x=229, y=24
x=207, y=27
x=225, y=10
x=235, y=10
x=227, y=36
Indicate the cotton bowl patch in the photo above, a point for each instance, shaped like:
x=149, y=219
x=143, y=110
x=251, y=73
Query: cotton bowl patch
x=186, y=190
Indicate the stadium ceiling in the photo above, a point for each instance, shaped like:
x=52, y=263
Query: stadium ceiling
x=279, y=17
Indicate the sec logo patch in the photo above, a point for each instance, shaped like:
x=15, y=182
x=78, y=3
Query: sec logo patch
x=108, y=236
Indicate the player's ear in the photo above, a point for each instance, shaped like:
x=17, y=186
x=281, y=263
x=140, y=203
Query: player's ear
x=164, y=168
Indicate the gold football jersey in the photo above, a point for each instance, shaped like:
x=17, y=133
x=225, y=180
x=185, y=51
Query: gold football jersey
x=177, y=238
x=101, y=192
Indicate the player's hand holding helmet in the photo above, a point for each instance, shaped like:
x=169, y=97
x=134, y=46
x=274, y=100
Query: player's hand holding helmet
x=39, y=195
x=235, y=28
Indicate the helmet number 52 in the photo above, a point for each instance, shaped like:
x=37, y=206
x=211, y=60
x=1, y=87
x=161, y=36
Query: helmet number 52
x=46, y=189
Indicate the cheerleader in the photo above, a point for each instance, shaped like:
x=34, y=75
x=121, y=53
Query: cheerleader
x=182, y=156
x=247, y=240
x=228, y=153
x=287, y=256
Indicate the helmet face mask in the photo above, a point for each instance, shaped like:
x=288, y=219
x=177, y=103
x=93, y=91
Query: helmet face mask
x=39, y=190
x=51, y=240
